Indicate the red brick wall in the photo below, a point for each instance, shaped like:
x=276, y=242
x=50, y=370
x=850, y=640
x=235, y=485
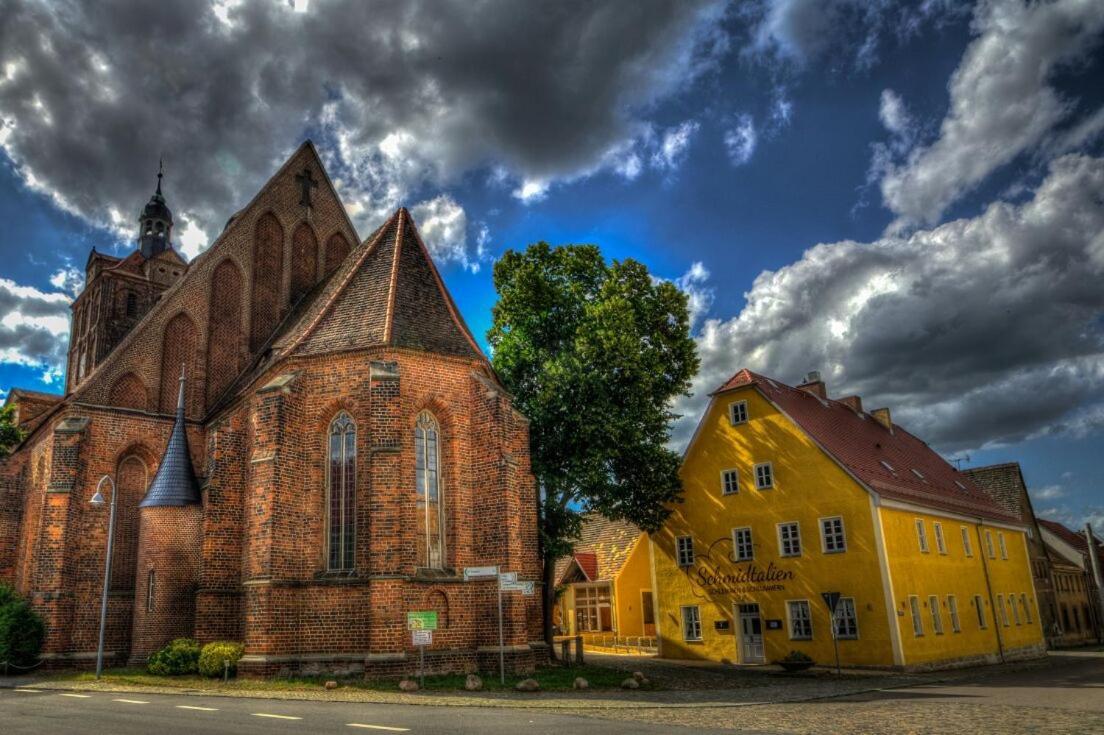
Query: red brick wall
x=129, y=392
x=304, y=261
x=178, y=352
x=336, y=249
x=226, y=348
x=268, y=262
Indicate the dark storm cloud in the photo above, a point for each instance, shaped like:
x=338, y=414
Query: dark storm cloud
x=980, y=330
x=403, y=93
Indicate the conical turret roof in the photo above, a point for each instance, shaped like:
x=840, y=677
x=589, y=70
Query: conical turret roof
x=175, y=482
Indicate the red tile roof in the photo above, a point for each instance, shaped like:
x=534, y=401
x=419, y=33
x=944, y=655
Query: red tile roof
x=588, y=562
x=893, y=463
x=1071, y=537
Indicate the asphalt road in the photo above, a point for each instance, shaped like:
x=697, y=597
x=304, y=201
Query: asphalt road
x=27, y=711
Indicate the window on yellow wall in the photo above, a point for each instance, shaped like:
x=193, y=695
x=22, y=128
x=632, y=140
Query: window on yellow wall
x=832, y=539
x=743, y=550
x=737, y=412
x=764, y=476
x=936, y=616
x=921, y=535
x=789, y=539
x=979, y=607
x=1027, y=608
x=1003, y=547
x=967, y=547
x=1001, y=611
x=952, y=610
x=801, y=620
x=1015, y=610
x=989, y=544
x=940, y=542
x=847, y=620
x=730, y=482
x=917, y=621
x=691, y=623
x=684, y=546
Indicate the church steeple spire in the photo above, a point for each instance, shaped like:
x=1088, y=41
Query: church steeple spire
x=175, y=482
x=156, y=222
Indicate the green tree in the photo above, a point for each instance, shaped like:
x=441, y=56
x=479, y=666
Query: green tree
x=10, y=434
x=594, y=353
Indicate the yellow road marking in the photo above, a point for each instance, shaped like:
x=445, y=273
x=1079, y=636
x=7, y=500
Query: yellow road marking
x=77, y=696
x=201, y=709
x=130, y=701
x=275, y=717
x=378, y=727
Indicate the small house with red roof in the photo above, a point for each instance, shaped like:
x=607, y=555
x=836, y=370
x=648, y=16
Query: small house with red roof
x=811, y=524
x=1076, y=592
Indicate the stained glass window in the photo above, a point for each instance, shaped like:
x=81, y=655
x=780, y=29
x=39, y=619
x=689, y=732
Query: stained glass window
x=431, y=547
x=342, y=493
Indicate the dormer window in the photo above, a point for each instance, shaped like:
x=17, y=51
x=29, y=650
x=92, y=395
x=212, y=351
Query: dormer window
x=738, y=412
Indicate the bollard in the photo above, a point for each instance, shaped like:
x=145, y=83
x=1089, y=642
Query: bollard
x=226, y=672
x=579, y=650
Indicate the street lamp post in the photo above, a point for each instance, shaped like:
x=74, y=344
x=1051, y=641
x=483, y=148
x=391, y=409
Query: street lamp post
x=98, y=500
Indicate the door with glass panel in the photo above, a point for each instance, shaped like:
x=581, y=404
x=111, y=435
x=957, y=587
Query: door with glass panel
x=751, y=633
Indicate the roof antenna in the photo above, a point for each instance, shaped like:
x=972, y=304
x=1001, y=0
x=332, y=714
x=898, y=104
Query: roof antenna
x=959, y=460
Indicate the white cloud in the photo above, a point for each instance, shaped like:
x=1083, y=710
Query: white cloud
x=894, y=115
x=741, y=140
x=979, y=331
x=34, y=326
x=443, y=225
x=1050, y=492
x=694, y=282
x=676, y=141
x=1002, y=103
x=69, y=279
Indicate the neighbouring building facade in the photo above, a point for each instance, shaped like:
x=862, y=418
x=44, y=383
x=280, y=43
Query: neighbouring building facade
x=1077, y=593
x=604, y=587
x=306, y=444
x=789, y=495
x=1004, y=483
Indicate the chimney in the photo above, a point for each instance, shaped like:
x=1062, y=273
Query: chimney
x=852, y=402
x=813, y=384
x=881, y=415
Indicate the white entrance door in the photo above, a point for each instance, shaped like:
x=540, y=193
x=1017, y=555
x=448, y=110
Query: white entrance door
x=751, y=634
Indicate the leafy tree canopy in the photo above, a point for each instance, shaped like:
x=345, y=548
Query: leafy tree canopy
x=10, y=434
x=593, y=352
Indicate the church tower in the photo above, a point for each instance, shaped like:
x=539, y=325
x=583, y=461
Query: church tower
x=119, y=291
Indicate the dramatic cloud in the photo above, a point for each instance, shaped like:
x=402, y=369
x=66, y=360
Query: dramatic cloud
x=34, y=327
x=1002, y=102
x=443, y=225
x=402, y=97
x=695, y=283
x=894, y=115
x=672, y=149
x=979, y=331
x=741, y=139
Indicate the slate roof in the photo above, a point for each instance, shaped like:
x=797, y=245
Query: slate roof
x=175, y=482
x=1004, y=483
x=1073, y=538
x=861, y=444
x=602, y=548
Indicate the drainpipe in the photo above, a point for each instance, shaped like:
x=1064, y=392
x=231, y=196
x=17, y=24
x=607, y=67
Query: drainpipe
x=1094, y=562
x=983, y=551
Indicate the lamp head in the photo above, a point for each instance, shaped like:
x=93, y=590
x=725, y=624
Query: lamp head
x=97, y=499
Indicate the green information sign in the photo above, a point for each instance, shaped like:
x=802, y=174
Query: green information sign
x=421, y=620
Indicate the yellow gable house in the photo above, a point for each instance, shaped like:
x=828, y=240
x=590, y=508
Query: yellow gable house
x=791, y=497
x=604, y=588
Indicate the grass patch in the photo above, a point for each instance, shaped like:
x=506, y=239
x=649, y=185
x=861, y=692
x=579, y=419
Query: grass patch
x=551, y=678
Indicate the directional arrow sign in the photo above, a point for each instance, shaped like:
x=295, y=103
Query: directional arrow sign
x=480, y=573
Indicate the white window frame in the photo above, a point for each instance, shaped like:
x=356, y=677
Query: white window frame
x=796, y=536
x=841, y=541
x=1015, y=610
x=846, y=610
x=979, y=609
x=728, y=488
x=922, y=536
x=684, y=550
x=1027, y=608
x=989, y=545
x=770, y=476
x=737, y=413
x=952, y=609
x=967, y=546
x=691, y=623
x=940, y=539
x=936, y=614
x=1002, y=611
x=1002, y=545
x=917, y=619
x=737, y=547
x=807, y=617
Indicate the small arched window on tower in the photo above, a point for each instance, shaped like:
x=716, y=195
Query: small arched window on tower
x=149, y=227
x=131, y=303
x=160, y=229
x=431, y=532
x=341, y=494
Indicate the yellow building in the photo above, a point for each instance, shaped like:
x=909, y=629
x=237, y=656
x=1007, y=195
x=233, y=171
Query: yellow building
x=605, y=591
x=789, y=495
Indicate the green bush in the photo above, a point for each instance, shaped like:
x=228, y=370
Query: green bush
x=797, y=657
x=179, y=657
x=21, y=630
x=215, y=654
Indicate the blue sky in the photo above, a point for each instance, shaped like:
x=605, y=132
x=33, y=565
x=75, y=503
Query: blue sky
x=908, y=197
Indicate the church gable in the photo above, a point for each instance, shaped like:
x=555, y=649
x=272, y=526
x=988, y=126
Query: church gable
x=255, y=257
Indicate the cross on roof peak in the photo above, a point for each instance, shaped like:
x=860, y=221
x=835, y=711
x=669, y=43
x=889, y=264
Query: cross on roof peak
x=306, y=183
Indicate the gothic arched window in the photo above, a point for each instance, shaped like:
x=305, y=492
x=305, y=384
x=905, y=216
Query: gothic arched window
x=131, y=303
x=341, y=493
x=431, y=532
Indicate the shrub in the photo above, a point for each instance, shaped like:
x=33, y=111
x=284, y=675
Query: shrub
x=179, y=657
x=797, y=657
x=21, y=630
x=214, y=656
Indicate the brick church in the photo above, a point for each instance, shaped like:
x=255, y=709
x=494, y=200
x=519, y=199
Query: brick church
x=306, y=443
